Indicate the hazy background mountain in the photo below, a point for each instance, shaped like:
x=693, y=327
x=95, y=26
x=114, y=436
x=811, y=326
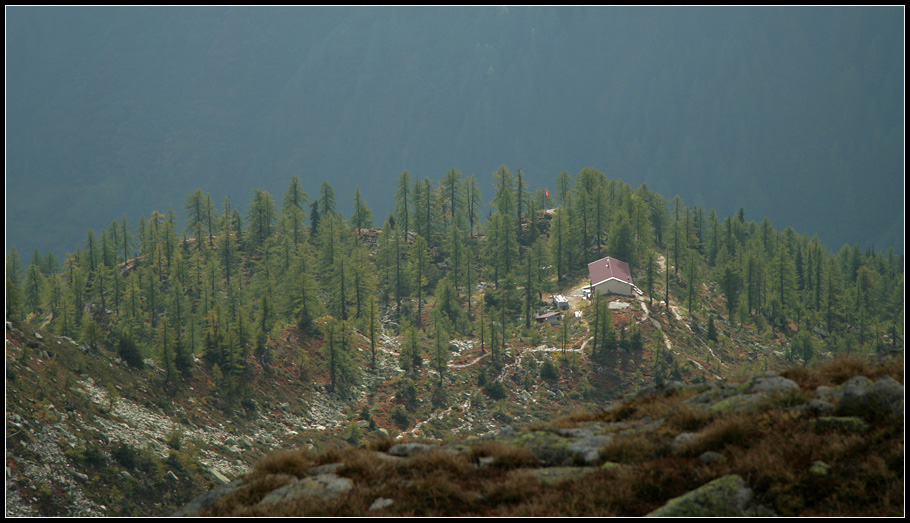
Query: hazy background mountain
x=791, y=113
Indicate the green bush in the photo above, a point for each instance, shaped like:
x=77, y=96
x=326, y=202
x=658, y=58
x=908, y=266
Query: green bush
x=129, y=351
x=400, y=417
x=495, y=390
x=125, y=455
x=548, y=370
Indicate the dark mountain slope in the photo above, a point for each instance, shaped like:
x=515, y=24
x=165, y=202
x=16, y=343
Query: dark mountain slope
x=791, y=113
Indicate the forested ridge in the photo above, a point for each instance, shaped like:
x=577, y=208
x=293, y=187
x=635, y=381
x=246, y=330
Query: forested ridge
x=155, y=362
x=445, y=264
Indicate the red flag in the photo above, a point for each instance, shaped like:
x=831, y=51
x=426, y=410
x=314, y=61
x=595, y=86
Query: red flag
x=548, y=192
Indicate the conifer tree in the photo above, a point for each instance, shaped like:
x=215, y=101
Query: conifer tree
x=293, y=204
x=166, y=344
x=13, y=301
x=692, y=278
x=451, y=195
x=125, y=238
x=196, y=215
x=441, y=344
x=559, y=242
x=650, y=274
x=227, y=248
x=731, y=285
x=34, y=281
x=372, y=329
x=474, y=201
x=622, y=241
x=409, y=356
x=402, y=197
x=261, y=218
x=326, y=199
x=419, y=259
x=363, y=216
x=341, y=368
x=306, y=297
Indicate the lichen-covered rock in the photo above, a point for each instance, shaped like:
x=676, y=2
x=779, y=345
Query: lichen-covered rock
x=743, y=397
x=381, y=503
x=728, y=496
x=683, y=440
x=710, y=457
x=817, y=407
x=560, y=447
x=409, y=449
x=741, y=403
x=861, y=397
x=819, y=468
x=771, y=384
x=322, y=486
x=200, y=504
x=886, y=395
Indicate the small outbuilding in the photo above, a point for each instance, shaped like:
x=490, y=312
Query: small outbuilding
x=560, y=301
x=610, y=276
x=550, y=316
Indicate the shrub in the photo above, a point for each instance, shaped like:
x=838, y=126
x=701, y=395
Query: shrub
x=495, y=390
x=124, y=454
x=548, y=370
x=292, y=462
x=629, y=448
x=129, y=351
x=504, y=456
x=400, y=417
x=355, y=434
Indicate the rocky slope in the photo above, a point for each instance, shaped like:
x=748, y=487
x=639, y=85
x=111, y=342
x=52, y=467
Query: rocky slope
x=803, y=445
x=89, y=435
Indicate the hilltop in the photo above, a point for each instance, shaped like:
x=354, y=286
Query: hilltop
x=153, y=367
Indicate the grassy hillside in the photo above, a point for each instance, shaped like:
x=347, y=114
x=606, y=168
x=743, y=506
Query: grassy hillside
x=663, y=452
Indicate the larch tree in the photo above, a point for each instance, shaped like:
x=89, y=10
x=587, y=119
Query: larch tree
x=402, y=197
x=362, y=216
x=293, y=204
x=419, y=259
x=474, y=201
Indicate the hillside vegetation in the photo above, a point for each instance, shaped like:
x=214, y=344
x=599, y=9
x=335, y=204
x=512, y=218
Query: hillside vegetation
x=156, y=363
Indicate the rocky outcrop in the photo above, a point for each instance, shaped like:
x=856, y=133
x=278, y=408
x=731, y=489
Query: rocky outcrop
x=728, y=496
x=559, y=454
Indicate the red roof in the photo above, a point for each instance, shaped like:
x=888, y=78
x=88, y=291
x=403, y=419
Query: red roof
x=609, y=268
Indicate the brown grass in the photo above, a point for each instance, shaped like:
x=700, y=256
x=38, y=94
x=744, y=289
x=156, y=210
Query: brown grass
x=773, y=451
x=842, y=368
x=290, y=462
x=505, y=456
x=632, y=448
x=683, y=418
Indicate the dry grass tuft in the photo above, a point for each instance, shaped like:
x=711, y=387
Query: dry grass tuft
x=632, y=448
x=436, y=461
x=731, y=430
x=363, y=465
x=291, y=462
x=505, y=456
x=683, y=418
x=379, y=444
x=250, y=494
x=842, y=368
